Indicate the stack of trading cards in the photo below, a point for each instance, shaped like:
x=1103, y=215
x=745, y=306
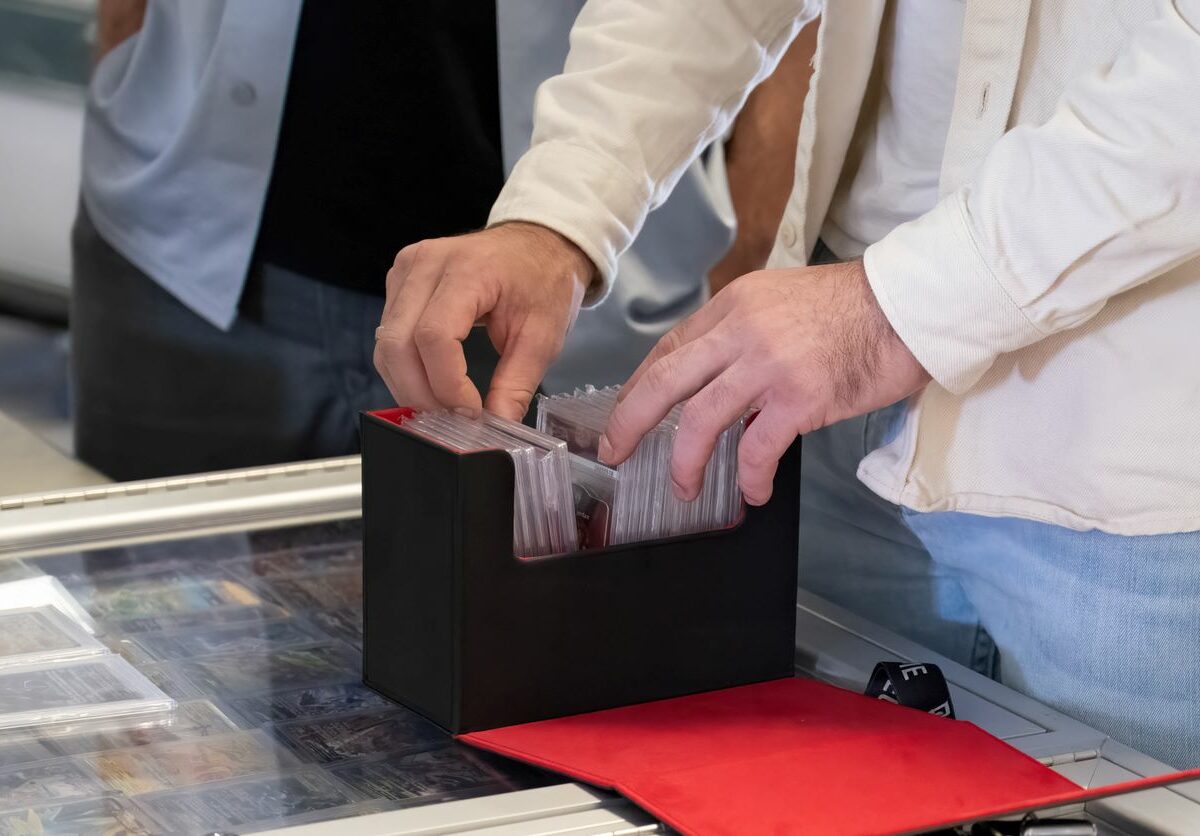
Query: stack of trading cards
x=637, y=496
x=544, y=510
x=565, y=499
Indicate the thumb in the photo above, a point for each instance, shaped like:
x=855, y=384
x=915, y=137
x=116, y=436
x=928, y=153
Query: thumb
x=523, y=362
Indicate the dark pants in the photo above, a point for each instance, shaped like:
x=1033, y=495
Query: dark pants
x=158, y=391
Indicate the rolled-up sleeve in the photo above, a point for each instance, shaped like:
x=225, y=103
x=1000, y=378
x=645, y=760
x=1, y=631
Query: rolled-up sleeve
x=1060, y=217
x=646, y=86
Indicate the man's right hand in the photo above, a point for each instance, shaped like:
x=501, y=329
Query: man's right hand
x=523, y=281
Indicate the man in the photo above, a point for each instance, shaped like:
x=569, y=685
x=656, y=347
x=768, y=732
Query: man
x=1048, y=285
x=249, y=171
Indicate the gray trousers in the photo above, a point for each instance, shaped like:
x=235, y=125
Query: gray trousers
x=158, y=391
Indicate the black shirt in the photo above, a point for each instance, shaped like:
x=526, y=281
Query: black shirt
x=390, y=134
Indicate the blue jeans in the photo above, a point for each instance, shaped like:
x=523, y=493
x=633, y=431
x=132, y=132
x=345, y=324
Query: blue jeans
x=1102, y=627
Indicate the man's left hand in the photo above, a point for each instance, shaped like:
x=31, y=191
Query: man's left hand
x=805, y=347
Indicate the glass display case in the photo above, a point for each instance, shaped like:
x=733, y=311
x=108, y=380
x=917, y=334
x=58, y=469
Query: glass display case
x=257, y=636
x=239, y=593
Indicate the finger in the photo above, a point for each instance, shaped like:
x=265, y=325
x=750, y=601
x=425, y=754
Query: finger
x=764, y=443
x=690, y=329
x=673, y=378
x=396, y=355
x=709, y=413
x=523, y=362
x=439, y=334
x=397, y=276
x=394, y=367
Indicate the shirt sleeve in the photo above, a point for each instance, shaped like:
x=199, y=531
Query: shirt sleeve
x=647, y=85
x=1060, y=217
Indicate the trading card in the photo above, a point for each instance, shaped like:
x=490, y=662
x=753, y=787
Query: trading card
x=41, y=630
x=24, y=751
x=66, y=684
x=183, y=763
x=236, y=804
x=44, y=590
x=246, y=637
x=582, y=440
x=189, y=720
x=431, y=773
x=46, y=781
x=314, y=701
x=90, y=817
x=298, y=561
x=127, y=649
x=198, y=620
x=317, y=591
x=170, y=681
x=329, y=739
x=282, y=669
x=136, y=599
x=345, y=624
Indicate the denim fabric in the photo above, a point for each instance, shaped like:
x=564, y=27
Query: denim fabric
x=856, y=551
x=159, y=391
x=1103, y=627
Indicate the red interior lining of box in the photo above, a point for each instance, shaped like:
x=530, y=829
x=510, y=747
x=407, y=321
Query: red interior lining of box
x=787, y=756
x=396, y=415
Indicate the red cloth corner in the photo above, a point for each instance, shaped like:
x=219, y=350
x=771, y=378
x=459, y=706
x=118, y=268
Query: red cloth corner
x=787, y=756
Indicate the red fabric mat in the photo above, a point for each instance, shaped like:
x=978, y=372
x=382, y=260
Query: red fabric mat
x=788, y=756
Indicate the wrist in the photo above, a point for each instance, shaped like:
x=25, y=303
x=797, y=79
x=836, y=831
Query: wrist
x=557, y=249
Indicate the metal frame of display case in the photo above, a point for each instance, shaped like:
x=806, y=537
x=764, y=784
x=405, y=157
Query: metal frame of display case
x=831, y=644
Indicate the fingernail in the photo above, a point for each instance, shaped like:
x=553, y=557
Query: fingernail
x=678, y=490
x=604, y=451
x=466, y=411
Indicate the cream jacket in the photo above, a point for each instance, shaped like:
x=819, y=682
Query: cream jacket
x=1053, y=293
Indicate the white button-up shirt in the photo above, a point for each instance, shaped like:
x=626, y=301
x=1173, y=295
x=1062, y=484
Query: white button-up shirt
x=1054, y=291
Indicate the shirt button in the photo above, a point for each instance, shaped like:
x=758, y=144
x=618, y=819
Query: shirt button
x=243, y=93
x=788, y=233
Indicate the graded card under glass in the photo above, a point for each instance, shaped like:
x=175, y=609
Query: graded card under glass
x=139, y=598
x=55, y=780
x=184, y=763
x=435, y=772
x=297, y=561
x=42, y=634
x=338, y=738
x=249, y=804
x=196, y=620
x=109, y=816
x=244, y=637
x=78, y=689
x=199, y=718
x=316, y=590
x=311, y=701
x=282, y=669
x=44, y=590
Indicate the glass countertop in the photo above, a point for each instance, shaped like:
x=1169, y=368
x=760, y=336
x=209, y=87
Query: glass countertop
x=258, y=637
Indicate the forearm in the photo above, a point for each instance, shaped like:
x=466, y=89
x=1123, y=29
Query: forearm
x=647, y=84
x=117, y=20
x=760, y=158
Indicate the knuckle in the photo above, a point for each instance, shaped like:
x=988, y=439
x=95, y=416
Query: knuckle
x=661, y=373
x=427, y=333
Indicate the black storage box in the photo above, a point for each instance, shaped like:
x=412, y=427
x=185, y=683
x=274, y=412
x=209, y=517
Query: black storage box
x=460, y=630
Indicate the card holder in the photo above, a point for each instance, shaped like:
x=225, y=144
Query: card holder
x=458, y=629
